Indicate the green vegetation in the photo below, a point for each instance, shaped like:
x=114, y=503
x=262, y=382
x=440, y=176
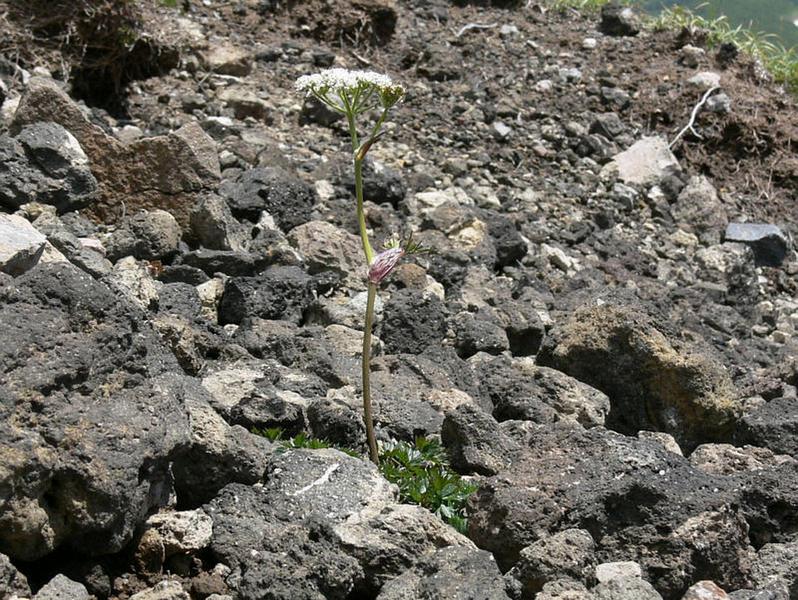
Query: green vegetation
x=424, y=477
x=420, y=470
x=779, y=61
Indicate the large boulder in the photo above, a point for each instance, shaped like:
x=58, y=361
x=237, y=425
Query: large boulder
x=93, y=417
x=278, y=536
x=637, y=500
x=654, y=380
x=167, y=171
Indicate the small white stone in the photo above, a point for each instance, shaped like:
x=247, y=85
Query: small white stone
x=617, y=570
x=705, y=80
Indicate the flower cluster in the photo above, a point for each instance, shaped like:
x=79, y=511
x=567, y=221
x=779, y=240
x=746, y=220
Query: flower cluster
x=351, y=91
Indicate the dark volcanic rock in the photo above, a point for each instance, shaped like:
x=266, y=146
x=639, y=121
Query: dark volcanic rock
x=94, y=417
x=654, y=381
x=474, y=441
x=288, y=199
x=773, y=425
x=618, y=20
x=276, y=293
x=478, y=335
x=520, y=390
x=217, y=454
x=46, y=164
x=12, y=581
x=768, y=242
x=454, y=573
x=638, y=502
x=229, y=262
x=288, y=523
x=146, y=235
x=412, y=321
x=569, y=554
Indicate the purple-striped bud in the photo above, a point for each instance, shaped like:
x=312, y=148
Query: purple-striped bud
x=383, y=264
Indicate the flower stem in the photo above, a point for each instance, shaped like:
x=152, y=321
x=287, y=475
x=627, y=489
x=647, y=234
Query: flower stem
x=366, y=363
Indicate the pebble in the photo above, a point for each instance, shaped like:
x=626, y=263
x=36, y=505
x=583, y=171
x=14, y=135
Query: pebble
x=705, y=80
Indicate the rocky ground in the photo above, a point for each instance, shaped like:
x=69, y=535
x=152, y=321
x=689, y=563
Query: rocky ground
x=604, y=340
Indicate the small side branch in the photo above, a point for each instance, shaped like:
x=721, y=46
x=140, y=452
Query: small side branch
x=689, y=126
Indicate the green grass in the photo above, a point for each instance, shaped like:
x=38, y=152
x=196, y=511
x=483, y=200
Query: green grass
x=779, y=61
x=420, y=470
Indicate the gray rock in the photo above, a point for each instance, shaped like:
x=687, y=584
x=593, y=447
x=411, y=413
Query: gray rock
x=617, y=570
x=568, y=554
x=454, y=573
x=474, y=441
x=276, y=293
x=625, y=589
x=607, y=124
x=326, y=247
x=632, y=495
x=279, y=535
x=776, y=590
x=646, y=162
x=226, y=59
x=777, y=563
x=564, y=589
x=285, y=197
x=389, y=540
x=618, y=20
x=21, y=245
x=148, y=235
x=725, y=459
x=165, y=590
x=478, y=335
x=213, y=226
x=12, y=581
x=674, y=387
x=227, y=262
x=245, y=102
x=217, y=454
x=412, y=321
x=61, y=587
x=132, y=280
x=719, y=103
x=181, y=532
x=518, y=389
x=332, y=353
x=773, y=425
x=270, y=409
x=46, y=164
x=337, y=421
x=769, y=243
x=699, y=210
x=705, y=80
x=411, y=393
x=95, y=411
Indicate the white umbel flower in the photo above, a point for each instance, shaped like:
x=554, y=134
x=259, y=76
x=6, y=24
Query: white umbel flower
x=351, y=91
x=339, y=81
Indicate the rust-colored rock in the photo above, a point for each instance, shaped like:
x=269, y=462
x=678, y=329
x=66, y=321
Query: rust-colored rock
x=166, y=172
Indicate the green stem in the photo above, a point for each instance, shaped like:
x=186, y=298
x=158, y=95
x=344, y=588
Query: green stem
x=361, y=213
x=366, y=364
